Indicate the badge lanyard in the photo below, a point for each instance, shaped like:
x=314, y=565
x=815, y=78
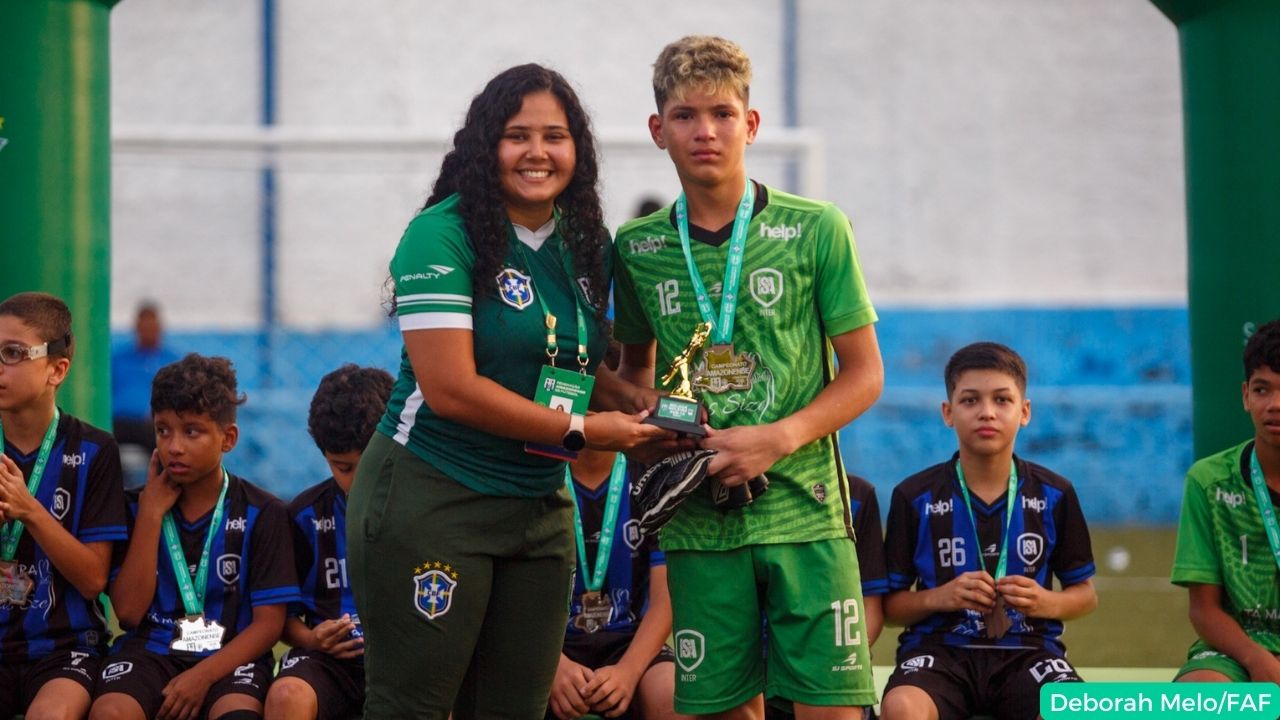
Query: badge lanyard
x=552, y=348
x=193, y=594
x=722, y=329
x=593, y=580
x=12, y=531
x=1259, y=482
x=1003, y=563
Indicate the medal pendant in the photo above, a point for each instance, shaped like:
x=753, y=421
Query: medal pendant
x=724, y=371
x=15, y=585
x=597, y=611
x=997, y=621
x=198, y=635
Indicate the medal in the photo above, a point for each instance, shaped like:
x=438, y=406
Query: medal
x=997, y=621
x=597, y=607
x=723, y=371
x=15, y=585
x=597, y=611
x=195, y=634
x=722, y=327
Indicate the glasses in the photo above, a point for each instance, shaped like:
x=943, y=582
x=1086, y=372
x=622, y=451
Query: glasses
x=15, y=352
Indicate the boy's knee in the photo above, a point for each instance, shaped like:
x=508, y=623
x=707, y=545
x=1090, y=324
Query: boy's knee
x=907, y=703
x=115, y=706
x=291, y=693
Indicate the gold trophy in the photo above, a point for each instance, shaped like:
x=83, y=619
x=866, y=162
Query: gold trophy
x=680, y=411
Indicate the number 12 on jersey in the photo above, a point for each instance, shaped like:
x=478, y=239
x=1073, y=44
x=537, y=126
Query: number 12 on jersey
x=846, y=614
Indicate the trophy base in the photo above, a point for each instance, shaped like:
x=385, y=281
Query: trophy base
x=678, y=415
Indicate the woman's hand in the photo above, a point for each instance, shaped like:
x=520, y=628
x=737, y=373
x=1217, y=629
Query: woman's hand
x=622, y=431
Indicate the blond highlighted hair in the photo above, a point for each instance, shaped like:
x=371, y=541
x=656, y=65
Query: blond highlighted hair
x=700, y=62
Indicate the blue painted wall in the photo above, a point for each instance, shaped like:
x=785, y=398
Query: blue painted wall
x=1110, y=392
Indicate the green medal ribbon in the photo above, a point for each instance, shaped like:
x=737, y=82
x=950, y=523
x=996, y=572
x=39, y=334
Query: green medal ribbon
x=594, y=580
x=552, y=348
x=1259, y=482
x=12, y=531
x=1002, y=564
x=193, y=593
x=721, y=330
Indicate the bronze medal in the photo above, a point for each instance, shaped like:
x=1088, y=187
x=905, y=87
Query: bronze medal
x=597, y=611
x=997, y=621
x=15, y=585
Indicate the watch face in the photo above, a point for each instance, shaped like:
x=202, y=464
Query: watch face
x=574, y=440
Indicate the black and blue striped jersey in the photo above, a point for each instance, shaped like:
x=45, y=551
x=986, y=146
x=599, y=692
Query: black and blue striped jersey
x=318, y=518
x=930, y=541
x=626, y=581
x=864, y=513
x=83, y=490
x=250, y=564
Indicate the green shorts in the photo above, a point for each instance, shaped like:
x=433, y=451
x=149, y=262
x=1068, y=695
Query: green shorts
x=463, y=597
x=810, y=594
x=1203, y=657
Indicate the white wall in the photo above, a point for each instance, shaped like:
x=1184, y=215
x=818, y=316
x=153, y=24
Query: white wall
x=988, y=151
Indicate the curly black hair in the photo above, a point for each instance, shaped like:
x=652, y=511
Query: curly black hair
x=198, y=384
x=471, y=171
x=347, y=407
x=1263, y=348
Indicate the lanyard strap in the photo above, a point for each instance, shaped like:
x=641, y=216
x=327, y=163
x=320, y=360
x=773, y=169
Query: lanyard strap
x=552, y=348
x=193, y=593
x=1259, y=482
x=721, y=330
x=1003, y=563
x=594, y=580
x=11, y=533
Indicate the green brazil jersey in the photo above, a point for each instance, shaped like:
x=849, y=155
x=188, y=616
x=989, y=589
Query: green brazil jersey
x=1221, y=541
x=800, y=284
x=432, y=270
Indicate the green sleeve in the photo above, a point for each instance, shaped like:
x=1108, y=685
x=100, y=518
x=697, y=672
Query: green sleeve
x=630, y=326
x=842, y=295
x=1195, y=557
x=431, y=271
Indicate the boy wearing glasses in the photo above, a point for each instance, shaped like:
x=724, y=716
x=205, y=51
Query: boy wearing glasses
x=61, y=508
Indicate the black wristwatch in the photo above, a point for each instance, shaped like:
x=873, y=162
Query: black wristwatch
x=574, y=439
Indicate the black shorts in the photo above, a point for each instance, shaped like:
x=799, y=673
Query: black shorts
x=967, y=681
x=143, y=675
x=339, y=684
x=21, y=681
x=596, y=650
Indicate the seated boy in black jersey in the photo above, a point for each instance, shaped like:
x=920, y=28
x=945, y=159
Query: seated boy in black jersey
x=980, y=537
x=1235, y=602
x=614, y=662
x=61, y=508
x=208, y=576
x=864, y=514
x=322, y=675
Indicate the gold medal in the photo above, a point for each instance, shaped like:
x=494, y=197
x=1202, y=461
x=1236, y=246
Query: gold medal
x=15, y=585
x=597, y=611
x=722, y=370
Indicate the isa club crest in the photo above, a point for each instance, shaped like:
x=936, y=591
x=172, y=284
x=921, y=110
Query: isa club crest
x=433, y=587
x=515, y=288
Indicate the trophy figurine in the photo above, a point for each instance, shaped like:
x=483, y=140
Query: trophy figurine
x=679, y=411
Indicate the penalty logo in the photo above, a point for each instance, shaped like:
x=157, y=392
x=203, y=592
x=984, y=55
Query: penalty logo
x=433, y=588
x=515, y=288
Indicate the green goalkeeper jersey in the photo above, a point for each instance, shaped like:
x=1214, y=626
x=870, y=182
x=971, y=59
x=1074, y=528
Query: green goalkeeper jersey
x=800, y=285
x=1221, y=541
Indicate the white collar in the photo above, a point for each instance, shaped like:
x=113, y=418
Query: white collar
x=534, y=238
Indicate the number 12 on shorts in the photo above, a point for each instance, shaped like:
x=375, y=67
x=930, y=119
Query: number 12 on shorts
x=846, y=617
